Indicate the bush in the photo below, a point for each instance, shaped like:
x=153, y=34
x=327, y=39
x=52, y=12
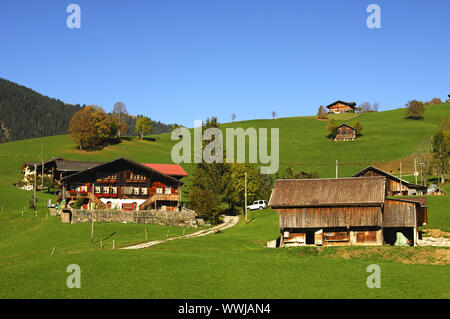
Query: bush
x=415, y=110
x=436, y=100
x=358, y=127
x=78, y=203
x=332, y=128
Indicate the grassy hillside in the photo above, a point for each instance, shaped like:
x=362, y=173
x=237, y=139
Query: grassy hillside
x=232, y=264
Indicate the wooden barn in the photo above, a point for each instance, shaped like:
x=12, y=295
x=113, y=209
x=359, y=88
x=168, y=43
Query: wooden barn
x=342, y=211
x=345, y=133
x=55, y=169
x=341, y=107
x=394, y=185
x=124, y=184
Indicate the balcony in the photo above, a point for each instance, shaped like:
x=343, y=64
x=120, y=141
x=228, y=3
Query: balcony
x=77, y=194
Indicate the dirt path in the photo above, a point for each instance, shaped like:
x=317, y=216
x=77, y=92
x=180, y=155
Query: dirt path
x=228, y=221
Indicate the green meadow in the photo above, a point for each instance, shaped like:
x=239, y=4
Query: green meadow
x=35, y=249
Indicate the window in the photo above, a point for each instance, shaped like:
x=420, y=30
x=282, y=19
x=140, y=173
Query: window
x=135, y=176
x=128, y=175
x=114, y=190
x=159, y=190
x=105, y=190
x=135, y=190
x=127, y=190
x=168, y=191
x=97, y=189
x=113, y=176
x=144, y=191
x=84, y=188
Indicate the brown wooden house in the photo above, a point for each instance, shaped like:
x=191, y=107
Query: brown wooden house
x=345, y=133
x=341, y=107
x=394, y=185
x=123, y=184
x=342, y=211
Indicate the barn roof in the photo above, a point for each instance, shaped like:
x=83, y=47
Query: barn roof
x=351, y=104
x=168, y=169
x=381, y=172
x=347, y=126
x=328, y=192
x=422, y=201
x=75, y=166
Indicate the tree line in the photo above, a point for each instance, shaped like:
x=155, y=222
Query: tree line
x=25, y=113
x=92, y=128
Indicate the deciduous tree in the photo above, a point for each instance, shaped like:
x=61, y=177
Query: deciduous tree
x=322, y=113
x=91, y=127
x=119, y=115
x=358, y=127
x=332, y=128
x=143, y=126
x=415, y=110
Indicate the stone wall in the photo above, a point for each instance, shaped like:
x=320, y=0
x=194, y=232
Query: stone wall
x=184, y=218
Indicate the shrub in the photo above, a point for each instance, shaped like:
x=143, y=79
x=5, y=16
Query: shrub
x=332, y=128
x=358, y=127
x=78, y=203
x=415, y=110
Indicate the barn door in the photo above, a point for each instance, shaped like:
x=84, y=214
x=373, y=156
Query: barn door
x=318, y=235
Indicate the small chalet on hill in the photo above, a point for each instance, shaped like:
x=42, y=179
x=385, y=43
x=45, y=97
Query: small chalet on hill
x=341, y=107
x=126, y=184
x=394, y=185
x=345, y=133
x=343, y=211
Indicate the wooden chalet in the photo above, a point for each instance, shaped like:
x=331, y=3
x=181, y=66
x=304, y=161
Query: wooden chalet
x=394, y=185
x=345, y=133
x=55, y=169
x=343, y=211
x=124, y=184
x=341, y=107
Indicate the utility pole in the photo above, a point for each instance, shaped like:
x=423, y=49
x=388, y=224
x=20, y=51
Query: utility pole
x=92, y=226
x=42, y=174
x=421, y=173
x=415, y=170
x=245, y=207
x=34, y=188
x=337, y=165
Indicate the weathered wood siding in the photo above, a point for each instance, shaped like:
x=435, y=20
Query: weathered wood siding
x=421, y=216
x=345, y=132
x=392, y=186
x=321, y=217
x=399, y=214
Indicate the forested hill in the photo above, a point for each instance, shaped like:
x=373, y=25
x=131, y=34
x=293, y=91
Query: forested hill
x=25, y=113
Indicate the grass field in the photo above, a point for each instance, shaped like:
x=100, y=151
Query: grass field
x=232, y=264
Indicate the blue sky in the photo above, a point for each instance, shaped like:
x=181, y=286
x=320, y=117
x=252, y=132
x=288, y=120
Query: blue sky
x=177, y=61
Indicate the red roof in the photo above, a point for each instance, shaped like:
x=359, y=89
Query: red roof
x=168, y=169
